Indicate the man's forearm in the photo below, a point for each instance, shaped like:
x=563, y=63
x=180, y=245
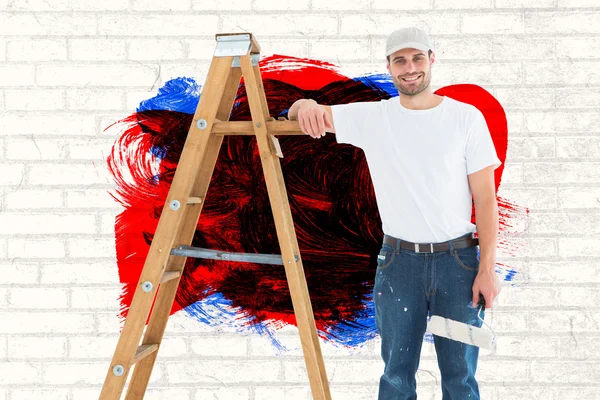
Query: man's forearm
x=293, y=111
x=486, y=211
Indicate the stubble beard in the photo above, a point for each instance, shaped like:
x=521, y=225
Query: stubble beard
x=398, y=83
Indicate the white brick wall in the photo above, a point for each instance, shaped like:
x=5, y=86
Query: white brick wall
x=69, y=69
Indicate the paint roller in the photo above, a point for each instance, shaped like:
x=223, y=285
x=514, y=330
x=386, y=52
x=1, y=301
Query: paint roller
x=462, y=332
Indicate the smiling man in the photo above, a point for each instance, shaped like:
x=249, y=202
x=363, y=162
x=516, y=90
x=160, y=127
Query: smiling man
x=429, y=157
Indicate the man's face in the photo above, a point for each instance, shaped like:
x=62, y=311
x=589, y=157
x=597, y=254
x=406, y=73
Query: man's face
x=405, y=65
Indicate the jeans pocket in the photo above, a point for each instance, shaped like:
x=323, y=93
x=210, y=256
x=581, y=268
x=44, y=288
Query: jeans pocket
x=466, y=258
x=385, y=257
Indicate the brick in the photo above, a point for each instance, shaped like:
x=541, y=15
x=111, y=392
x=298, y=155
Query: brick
x=532, y=148
x=47, y=24
x=34, y=99
x=277, y=25
x=92, y=346
x=464, y=48
x=80, y=99
x=578, y=147
x=107, y=222
x=463, y=4
x=516, y=392
x=94, y=297
x=90, y=149
x=35, y=149
x=561, y=22
x=152, y=5
x=525, y=297
x=578, y=3
x=220, y=5
x=513, y=173
x=78, y=273
x=93, y=5
x=577, y=47
x=169, y=393
x=11, y=174
x=482, y=73
x=442, y=23
x=19, y=223
x=562, y=122
x=524, y=98
x=563, y=223
x=565, y=372
x=3, y=303
x=156, y=49
x=578, y=197
x=92, y=248
x=576, y=296
x=534, y=198
x=224, y=393
x=96, y=75
x=288, y=393
x=492, y=23
x=38, y=125
x=150, y=25
x=134, y=98
x=36, y=347
x=20, y=373
x=40, y=394
x=59, y=373
x=196, y=70
x=339, y=49
x=339, y=371
x=19, y=273
x=285, y=5
x=97, y=49
x=39, y=5
x=30, y=199
x=564, y=73
x=17, y=75
x=579, y=346
x=109, y=322
x=514, y=371
x=571, y=392
x=36, y=49
x=527, y=347
x=220, y=346
x=573, y=272
x=38, y=297
x=565, y=321
x=91, y=198
x=545, y=173
x=230, y=371
x=36, y=248
x=576, y=98
x=69, y=174
x=336, y=5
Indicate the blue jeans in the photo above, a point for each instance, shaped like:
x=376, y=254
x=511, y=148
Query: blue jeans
x=408, y=285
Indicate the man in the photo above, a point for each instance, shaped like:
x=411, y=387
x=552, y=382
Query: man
x=428, y=156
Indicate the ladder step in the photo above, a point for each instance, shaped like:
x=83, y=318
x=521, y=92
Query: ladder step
x=144, y=351
x=194, y=200
x=170, y=275
x=198, y=252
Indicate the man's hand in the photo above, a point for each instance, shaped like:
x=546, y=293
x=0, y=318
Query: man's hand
x=313, y=119
x=487, y=283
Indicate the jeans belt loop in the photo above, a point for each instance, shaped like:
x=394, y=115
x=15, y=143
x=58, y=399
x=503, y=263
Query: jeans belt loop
x=451, y=248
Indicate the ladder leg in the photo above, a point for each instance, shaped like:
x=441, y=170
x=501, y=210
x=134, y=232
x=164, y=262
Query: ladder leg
x=166, y=293
x=286, y=234
x=192, y=155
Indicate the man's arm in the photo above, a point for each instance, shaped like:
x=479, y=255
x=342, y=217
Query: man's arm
x=486, y=209
x=293, y=112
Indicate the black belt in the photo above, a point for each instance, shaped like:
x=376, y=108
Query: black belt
x=464, y=241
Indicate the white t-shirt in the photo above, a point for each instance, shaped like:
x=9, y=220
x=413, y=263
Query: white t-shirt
x=419, y=161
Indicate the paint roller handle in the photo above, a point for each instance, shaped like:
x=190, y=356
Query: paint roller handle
x=481, y=301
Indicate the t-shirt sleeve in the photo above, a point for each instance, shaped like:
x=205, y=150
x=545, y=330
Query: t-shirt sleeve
x=480, y=151
x=350, y=121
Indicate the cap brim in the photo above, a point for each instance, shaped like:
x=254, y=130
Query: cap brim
x=407, y=45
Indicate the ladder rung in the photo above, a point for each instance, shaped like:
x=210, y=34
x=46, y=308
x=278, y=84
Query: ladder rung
x=169, y=275
x=143, y=351
x=198, y=252
x=194, y=200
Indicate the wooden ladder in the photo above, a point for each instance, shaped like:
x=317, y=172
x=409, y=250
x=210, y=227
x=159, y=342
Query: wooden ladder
x=236, y=54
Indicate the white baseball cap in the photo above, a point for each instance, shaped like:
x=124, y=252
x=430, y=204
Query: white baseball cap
x=404, y=38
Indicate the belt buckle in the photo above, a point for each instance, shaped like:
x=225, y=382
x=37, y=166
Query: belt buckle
x=417, y=248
